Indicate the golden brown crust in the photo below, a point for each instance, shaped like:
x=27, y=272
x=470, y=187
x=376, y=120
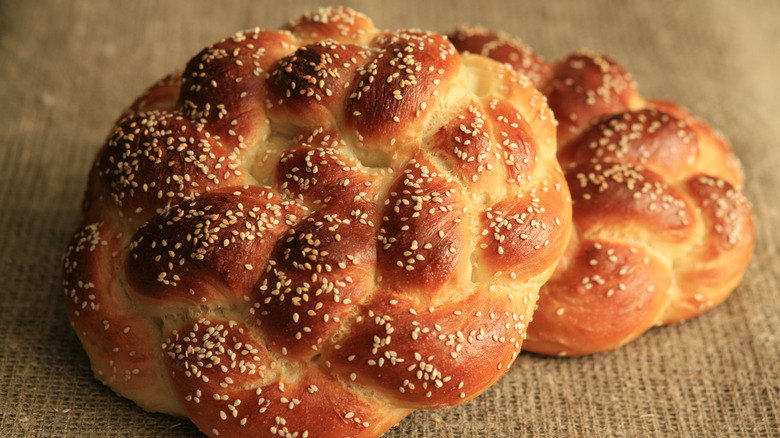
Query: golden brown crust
x=197, y=251
x=422, y=232
x=522, y=234
x=608, y=296
x=585, y=86
x=120, y=340
x=663, y=231
x=465, y=143
x=502, y=48
x=398, y=86
x=157, y=159
x=648, y=137
x=311, y=84
x=622, y=195
x=231, y=386
x=424, y=357
x=306, y=232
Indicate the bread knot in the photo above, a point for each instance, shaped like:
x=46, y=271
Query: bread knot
x=315, y=230
x=662, y=229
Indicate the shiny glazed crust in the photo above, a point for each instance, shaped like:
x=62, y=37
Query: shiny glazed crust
x=316, y=230
x=662, y=229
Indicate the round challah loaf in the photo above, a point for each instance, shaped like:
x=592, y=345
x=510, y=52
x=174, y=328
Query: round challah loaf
x=662, y=230
x=316, y=230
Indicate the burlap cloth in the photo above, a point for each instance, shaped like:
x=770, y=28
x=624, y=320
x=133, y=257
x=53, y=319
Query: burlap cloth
x=68, y=68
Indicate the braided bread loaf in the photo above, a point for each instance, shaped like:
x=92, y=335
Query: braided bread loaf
x=662, y=230
x=314, y=231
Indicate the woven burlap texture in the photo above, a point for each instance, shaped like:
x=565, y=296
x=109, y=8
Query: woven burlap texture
x=67, y=69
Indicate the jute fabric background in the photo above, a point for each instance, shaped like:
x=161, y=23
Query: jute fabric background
x=68, y=68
